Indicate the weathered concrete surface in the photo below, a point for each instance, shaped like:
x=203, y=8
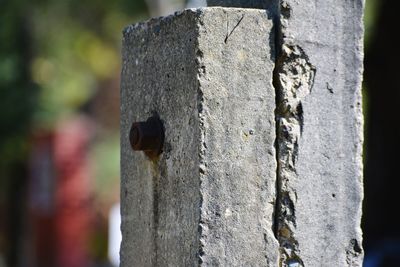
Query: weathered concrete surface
x=209, y=199
x=319, y=118
x=319, y=125
x=207, y=73
x=160, y=199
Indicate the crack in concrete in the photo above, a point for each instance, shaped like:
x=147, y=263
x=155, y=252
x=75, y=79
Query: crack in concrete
x=293, y=80
x=228, y=34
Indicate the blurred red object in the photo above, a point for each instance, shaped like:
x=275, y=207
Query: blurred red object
x=60, y=195
x=42, y=202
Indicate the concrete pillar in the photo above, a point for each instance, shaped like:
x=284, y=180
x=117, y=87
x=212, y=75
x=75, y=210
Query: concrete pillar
x=261, y=162
x=209, y=197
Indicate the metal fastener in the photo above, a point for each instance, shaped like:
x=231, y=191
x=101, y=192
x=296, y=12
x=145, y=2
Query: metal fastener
x=147, y=136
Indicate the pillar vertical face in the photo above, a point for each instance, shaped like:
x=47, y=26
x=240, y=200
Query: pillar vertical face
x=208, y=199
x=237, y=152
x=160, y=197
x=323, y=184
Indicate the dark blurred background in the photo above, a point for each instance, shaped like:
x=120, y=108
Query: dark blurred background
x=59, y=129
x=382, y=135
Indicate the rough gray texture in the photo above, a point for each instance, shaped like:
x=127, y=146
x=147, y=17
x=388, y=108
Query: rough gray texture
x=160, y=198
x=237, y=152
x=209, y=198
x=318, y=81
x=294, y=78
x=319, y=129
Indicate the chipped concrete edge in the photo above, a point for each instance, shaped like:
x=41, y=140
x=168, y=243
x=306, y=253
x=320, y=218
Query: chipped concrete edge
x=294, y=77
x=202, y=147
x=293, y=80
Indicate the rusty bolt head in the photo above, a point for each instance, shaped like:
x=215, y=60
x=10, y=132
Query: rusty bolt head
x=147, y=136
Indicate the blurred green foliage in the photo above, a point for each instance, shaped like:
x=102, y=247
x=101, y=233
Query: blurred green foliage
x=55, y=57
x=106, y=173
x=76, y=48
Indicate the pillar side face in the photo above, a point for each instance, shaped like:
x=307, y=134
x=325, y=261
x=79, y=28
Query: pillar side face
x=209, y=198
x=238, y=125
x=160, y=198
x=327, y=181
